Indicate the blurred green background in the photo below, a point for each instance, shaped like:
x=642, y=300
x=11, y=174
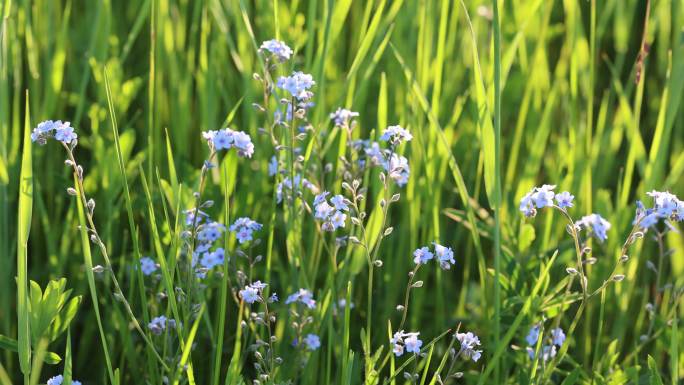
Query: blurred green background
x=573, y=113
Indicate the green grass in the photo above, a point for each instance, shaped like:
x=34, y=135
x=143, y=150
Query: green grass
x=499, y=96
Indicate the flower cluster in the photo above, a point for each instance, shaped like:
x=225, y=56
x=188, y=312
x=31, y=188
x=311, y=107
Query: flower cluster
x=61, y=131
x=298, y=85
x=190, y=217
x=396, y=135
x=409, y=342
x=333, y=216
x=595, y=224
x=277, y=48
x=253, y=292
x=469, y=343
x=58, y=380
x=556, y=339
x=396, y=165
x=302, y=296
x=445, y=256
x=243, y=229
x=342, y=117
x=208, y=232
x=540, y=197
x=159, y=324
x=226, y=139
x=148, y=266
x=285, y=187
x=666, y=207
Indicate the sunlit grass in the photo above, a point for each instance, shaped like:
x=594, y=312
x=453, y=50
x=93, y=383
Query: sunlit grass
x=499, y=97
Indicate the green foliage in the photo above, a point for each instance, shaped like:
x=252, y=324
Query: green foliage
x=546, y=93
x=51, y=311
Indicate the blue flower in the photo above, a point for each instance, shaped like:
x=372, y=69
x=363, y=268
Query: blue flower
x=302, y=296
x=396, y=135
x=398, y=168
x=333, y=216
x=533, y=335
x=596, y=225
x=667, y=207
x=285, y=187
x=412, y=343
x=210, y=232
x=61, y=131
x=312, y=342
x=342, y=117
x=277, y=48
x=469, y=342
x=213, y=258
x=297, y=84
x=564, y=199
x=158, y=324
x=422, y=256
x=557, y=336
x=58, y=380
x=273, y=166
x=243, y=229
x=445, y=256
x=405, y=341
x=65, y=133
x=252, y=292
x=148, y=266
x=226, y=139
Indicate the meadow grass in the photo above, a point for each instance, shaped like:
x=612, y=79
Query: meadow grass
x=498, y=96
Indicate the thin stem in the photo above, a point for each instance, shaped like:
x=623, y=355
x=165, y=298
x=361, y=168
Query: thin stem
x=406, y=296
x=93, y=230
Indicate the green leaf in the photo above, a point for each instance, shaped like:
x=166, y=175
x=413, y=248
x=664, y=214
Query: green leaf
x=653, y=375
x=23, y=229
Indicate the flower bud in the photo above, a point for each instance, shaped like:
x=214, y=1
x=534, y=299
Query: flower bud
x=618, y=277
x=72, y=191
